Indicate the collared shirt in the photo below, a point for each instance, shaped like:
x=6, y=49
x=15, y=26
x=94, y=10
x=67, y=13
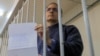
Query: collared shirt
x=73, y=45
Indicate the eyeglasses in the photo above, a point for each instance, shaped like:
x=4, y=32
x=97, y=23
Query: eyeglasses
x=54, y=9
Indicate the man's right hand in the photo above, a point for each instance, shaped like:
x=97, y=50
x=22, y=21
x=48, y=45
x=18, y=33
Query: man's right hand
x=39, y=55
x=39, y=29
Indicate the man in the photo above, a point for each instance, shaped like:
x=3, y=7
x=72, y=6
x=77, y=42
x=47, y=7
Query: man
x=72, y=40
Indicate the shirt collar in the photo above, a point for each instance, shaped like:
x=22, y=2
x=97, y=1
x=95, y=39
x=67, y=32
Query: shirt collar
x=53, y=26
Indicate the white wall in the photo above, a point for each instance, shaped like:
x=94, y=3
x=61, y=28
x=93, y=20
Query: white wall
x=94, y=17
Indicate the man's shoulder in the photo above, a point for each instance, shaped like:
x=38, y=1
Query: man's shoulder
x=69, y=26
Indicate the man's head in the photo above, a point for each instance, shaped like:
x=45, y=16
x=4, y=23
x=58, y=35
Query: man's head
x=52, y=12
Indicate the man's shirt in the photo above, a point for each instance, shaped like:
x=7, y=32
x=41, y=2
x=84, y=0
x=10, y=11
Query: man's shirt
x=72, y=41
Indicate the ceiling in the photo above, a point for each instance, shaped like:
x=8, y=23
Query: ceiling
x=6, y=4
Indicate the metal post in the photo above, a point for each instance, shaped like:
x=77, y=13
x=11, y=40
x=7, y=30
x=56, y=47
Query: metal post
x=27, y=10
x=1, y=45
x=17, y=17
x=44, y=28
x=34, y=15
x=21, y=14
x=14, y=20
x=87, y=25
x=60, y=30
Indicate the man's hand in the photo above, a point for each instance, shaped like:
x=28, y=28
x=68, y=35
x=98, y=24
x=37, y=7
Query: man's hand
x=39, y=29
x=39, y=55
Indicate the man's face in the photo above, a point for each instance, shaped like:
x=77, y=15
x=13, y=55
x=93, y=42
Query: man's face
x=52, y=13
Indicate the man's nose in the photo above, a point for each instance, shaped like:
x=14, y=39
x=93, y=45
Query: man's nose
x=51, y=10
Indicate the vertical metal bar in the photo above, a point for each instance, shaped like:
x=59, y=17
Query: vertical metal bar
x=22, y=12
x=6, y=38
x=27, y=10
x=34, y=15
x=44, y=27
x=13, y=21
x=87, y=26
x=4, y=44
x=60, y=29
x=18, y=17
x=1, y=45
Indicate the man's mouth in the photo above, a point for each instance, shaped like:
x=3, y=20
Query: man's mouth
x=51, y=15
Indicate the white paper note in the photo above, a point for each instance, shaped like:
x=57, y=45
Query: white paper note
x=22, y=40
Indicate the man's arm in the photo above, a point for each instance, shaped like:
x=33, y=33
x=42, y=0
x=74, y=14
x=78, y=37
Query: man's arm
x=73, y=43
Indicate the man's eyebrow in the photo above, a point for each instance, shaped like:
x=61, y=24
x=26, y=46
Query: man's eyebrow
x=55, y=7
